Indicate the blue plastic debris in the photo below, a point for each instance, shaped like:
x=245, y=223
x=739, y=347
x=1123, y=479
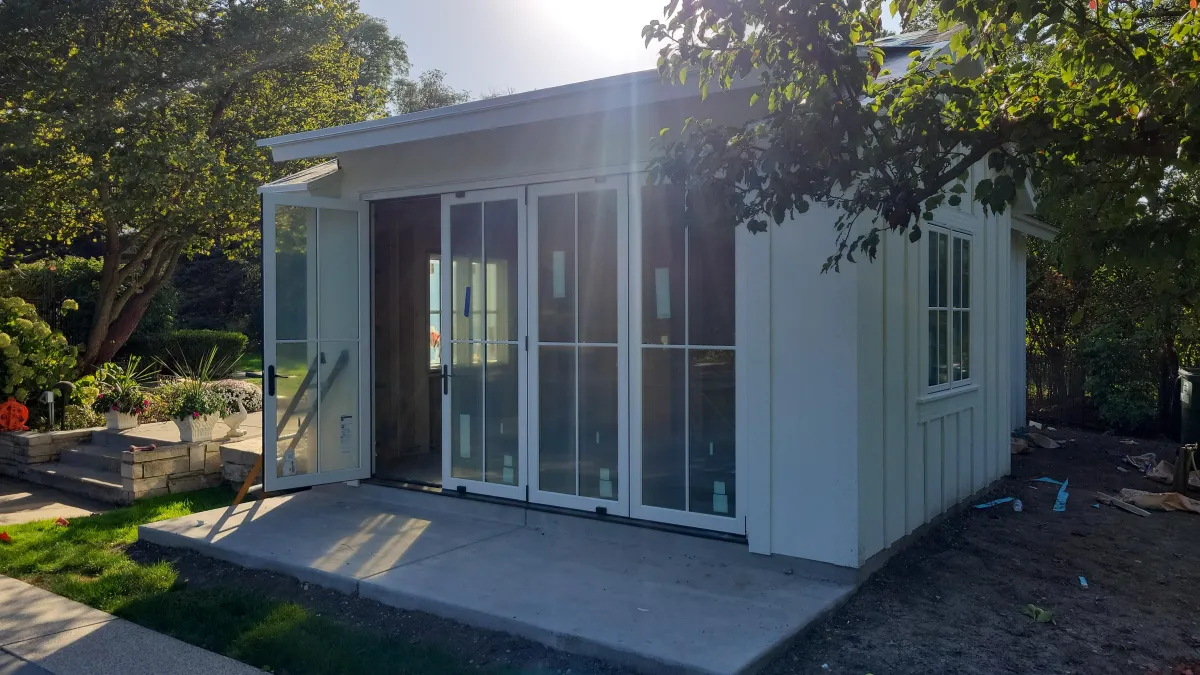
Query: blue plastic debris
x=1083, y=582
x=1044, y=479
x=994, y=502
x=1060, y=502
x=1096, y=505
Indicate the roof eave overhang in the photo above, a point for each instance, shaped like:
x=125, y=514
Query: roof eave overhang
x=596, y=96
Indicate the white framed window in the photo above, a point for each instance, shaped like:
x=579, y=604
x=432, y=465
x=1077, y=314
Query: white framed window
x=435, y=311
x=948, y=306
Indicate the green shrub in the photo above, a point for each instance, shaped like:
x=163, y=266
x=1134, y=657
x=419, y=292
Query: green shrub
x=49, y=283
x=33, y=358
x=80, y=417
x=1120, y=375
x=184, y=350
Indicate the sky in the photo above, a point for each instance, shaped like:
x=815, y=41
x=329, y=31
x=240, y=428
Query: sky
x=487, y=46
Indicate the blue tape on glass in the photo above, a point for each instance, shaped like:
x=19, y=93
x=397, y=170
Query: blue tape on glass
x=467, y=303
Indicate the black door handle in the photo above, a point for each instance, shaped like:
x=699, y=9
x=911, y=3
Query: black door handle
x=446, y=379
x=271, y=375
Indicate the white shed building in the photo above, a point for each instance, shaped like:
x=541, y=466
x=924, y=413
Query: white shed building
x=490, y=299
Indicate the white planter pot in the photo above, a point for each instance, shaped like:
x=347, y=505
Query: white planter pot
x=119, y=421
x=234, y=420
x=193, y=429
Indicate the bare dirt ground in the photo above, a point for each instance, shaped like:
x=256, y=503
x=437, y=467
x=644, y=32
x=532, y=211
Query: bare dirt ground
x=952, y=602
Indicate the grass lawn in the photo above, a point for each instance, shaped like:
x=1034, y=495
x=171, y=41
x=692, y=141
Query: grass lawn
x=87, y=563
x=250, y=361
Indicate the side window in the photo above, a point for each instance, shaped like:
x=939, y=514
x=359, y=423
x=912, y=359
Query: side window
x=949, y=309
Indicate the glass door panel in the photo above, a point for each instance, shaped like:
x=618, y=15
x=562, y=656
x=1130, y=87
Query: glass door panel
x=483, y=382
x=315, y=279
x=578, y=290
x=684, y=434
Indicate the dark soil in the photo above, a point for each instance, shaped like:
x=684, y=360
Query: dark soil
x=952, y=602
x=489, y=650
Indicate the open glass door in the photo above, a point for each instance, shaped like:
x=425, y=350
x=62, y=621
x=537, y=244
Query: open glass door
x=316, y=336
x=483, y=330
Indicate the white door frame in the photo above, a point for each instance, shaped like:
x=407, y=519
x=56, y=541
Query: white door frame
x=449, y=482
x=619, y=506
x=272, y=481
x=737, y=523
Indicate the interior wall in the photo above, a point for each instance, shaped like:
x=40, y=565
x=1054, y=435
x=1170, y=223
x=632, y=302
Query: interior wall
x=405, y=232
x=920, y=454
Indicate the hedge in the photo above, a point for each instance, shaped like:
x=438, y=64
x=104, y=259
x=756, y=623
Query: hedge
x=186, y=349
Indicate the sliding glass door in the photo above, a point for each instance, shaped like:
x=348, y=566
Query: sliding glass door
x=483, y=374
x=589, y=352
x=578, y=355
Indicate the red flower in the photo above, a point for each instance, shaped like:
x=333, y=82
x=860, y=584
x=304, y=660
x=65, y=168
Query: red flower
x=114, y=407
x=195, y=415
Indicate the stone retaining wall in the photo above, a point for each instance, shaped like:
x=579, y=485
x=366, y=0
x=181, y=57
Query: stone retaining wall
x=21, y=448
x=238, y=462
x=170, y=470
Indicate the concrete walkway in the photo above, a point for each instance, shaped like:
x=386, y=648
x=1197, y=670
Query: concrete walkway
x=660, y=601
x=41, y=632
x=23, y=502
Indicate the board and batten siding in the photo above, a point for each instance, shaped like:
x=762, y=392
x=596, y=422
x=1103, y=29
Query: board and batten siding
x=921, y=454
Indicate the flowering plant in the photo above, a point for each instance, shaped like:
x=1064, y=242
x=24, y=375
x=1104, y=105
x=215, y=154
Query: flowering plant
x=233, y=391
x=120, y=388
x=195, y=399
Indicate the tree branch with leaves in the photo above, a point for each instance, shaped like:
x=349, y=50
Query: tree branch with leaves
x=1065, y=93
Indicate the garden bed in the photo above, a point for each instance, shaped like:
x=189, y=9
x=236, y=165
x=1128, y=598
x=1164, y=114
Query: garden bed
x=952, y=602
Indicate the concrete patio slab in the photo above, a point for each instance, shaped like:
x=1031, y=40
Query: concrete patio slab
x=328, y=538
x=616, y=601
x=66, y=638
x=660, y=601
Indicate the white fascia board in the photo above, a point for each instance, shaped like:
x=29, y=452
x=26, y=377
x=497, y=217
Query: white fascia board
x=609, y=93
x=1033, y=227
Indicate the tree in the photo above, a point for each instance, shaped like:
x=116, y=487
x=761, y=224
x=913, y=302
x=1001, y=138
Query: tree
x=1089, y=100
x=134, y=124
x=426, y=92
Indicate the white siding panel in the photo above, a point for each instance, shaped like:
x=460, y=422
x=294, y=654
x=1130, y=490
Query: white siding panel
x=896, y=402
x=873, y=352
x=933, y=468
x=966, y=452
x=814, y=385
x=950, y=493
x=914, y=483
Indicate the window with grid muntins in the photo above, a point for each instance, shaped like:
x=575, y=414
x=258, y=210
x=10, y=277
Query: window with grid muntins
x=949, y=309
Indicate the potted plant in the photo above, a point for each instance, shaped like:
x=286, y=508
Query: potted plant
x=120, y=395
x=194, y=405
x=195, y=409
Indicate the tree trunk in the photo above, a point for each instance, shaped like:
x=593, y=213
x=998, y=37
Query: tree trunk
x=119, y=331
x=124, y=296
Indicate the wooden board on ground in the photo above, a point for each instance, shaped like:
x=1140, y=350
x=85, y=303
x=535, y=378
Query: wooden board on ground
x=1108, y=499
